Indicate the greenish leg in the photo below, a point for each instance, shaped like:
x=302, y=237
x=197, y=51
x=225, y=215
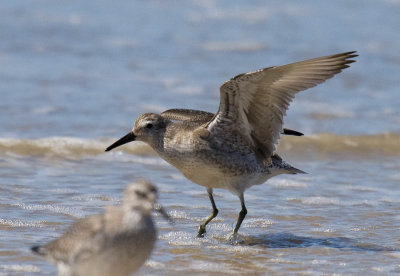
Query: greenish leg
x=242, y=214
x=202, y=227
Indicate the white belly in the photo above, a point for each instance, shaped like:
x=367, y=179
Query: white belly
x=211, y=168
x=214, y=177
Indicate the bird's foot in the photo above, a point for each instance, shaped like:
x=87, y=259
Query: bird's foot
x=235, y=238
x=202, y=231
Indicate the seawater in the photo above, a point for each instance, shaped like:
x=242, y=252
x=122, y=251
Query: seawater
x=75, y=75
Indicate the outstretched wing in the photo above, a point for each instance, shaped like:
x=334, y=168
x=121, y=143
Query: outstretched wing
x=256, y=102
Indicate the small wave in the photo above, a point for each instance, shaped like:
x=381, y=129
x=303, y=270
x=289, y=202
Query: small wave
x=328, y=145
x=21, y=223
x=67, y=147
x=19, y=268
x=52, y=208
x=313, y=146
x=317, y=200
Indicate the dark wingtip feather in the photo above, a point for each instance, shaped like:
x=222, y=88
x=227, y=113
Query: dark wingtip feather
x=350, y=61
x=348, y=58
x=287, y=131
x=351, y=54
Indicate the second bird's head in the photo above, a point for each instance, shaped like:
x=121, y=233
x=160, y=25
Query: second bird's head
x=148, y=128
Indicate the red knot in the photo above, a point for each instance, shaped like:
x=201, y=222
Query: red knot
x=234, y=149
x=115, y=243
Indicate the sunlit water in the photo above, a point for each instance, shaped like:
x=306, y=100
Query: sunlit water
x=75, y=74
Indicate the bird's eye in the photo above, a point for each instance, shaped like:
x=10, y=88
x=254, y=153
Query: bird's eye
x=149, y=125
x=141, y=194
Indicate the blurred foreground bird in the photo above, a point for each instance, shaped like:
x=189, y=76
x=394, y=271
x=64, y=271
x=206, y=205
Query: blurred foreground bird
x=115, y=243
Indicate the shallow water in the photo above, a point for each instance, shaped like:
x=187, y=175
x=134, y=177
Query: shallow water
x=76, y=74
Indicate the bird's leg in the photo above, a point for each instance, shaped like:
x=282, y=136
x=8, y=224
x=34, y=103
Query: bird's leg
x=202, y=227
x=242, y=214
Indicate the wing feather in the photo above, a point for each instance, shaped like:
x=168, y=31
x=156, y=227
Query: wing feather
x=187, y=114
x=76, y=240
x=256, y=102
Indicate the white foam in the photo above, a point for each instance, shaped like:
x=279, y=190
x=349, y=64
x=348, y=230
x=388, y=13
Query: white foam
x=21, y=223
x=154, y=264
x=20, y=268
x=285, y=183
x=52, y=208
x=257, y=223
x=180, y=238
x=209, y=267
x=178, y=214
x=318, y=200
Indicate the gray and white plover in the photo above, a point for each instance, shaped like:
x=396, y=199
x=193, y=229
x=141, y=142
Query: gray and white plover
x=234, y=149
x=115, y=243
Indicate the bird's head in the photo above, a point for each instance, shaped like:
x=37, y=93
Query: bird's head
x=143, y=195
x=148, y=128
x=140, y=193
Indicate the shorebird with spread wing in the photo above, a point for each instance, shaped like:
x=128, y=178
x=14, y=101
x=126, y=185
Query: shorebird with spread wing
x=234, y=149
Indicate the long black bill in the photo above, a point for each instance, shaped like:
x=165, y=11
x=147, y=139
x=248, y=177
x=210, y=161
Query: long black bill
x=157, y=207
x=126, y=139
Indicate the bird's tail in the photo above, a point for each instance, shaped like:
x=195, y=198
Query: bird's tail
x=294, y=170
x=278, y=162
x=287, y=131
